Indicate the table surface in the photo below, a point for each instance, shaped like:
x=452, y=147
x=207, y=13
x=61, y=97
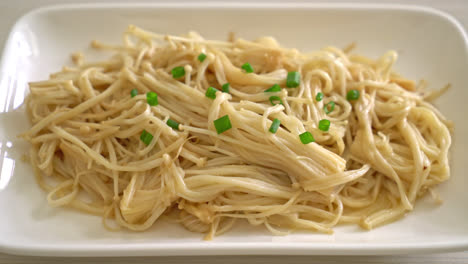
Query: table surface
x=11, y=10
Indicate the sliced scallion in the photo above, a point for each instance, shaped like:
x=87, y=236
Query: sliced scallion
x=211, y=92
x=352, y=95
x=324, y=125
x=306, y=138
x=172, y=123
x=328, y=108
x=247, y=67
x=274, y=100
x=293, y=79
x=319, y=97
x=133, y=93
x=274, y=126
x=146, y=137
x=225, y=88
x=222, y=124
x=202, y=57
x=152, y=98
x=178, y=72
x=274, y=88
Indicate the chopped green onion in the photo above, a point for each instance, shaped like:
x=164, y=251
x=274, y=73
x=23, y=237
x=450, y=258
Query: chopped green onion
x=178, y=72
x=146, y=137
x=152, y=98
x=306, y=138
x=225, y=88
x=133, y=93
x=173, y=124
x=274, y=88
x=222, y=124
x=319, y=97
x=324, y=125
x=352, y=95
x=211, y=92
x=274, y=126
x=247, y=67
x=293, y=79
x=202, y=57
x=328, y=108
x=274, y=100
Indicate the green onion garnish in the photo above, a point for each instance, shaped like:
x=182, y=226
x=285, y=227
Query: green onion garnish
x=328, y=108
x=222, y=124
x=247, y=67
x=146, y=137
x=225, y=88
x=173, y=124
x=274, y=88
x=202, y=57
x=319, y=97
x=352, y=95
x=152, y=98
x=306, y=138
x=324, y=125
x=133, y=93
x=178, y=72
x=293, y=79
x=274, y=100
x=274, y=126
x=211, y=92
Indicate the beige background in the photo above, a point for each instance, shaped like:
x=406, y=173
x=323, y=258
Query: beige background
x=11, y=10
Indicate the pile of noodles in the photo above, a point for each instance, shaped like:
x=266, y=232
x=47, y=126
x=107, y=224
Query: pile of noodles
x=381, y=153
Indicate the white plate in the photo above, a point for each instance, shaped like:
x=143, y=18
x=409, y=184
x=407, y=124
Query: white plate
x=432, y=45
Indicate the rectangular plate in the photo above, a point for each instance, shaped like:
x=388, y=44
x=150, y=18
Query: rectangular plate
x=431, y=44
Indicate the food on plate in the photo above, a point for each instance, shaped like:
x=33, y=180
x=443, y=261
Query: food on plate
x=210, y=132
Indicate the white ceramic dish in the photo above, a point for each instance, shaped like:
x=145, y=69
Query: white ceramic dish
x=432, y=46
